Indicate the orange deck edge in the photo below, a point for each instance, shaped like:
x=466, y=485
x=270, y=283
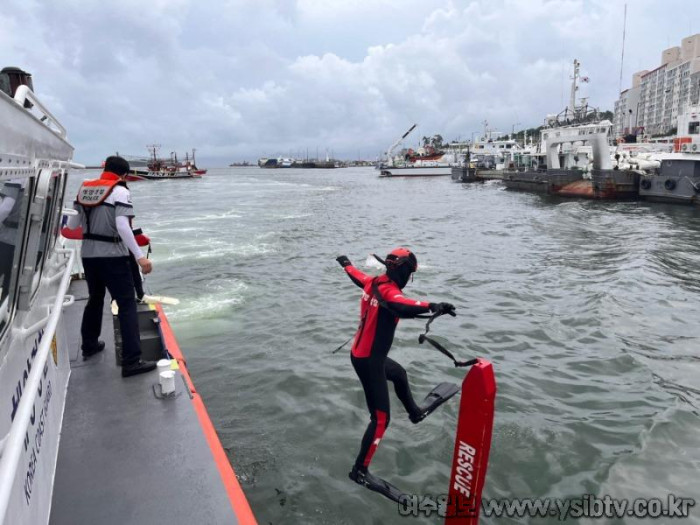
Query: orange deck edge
x=239, y=502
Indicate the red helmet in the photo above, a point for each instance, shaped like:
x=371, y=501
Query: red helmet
x=401, y=256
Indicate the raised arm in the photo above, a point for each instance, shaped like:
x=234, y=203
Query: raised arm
x=405, y=307
x=356, y=276
x=401, y=305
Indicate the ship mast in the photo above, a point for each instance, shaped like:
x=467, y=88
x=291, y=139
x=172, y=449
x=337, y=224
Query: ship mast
x=574, y=89
x=153, y=148
x=154, y=164
x=622, y=58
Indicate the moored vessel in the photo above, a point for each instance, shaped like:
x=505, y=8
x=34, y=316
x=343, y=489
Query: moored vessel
x=465, y=170
x=677, y=180
x=155, y=168
x=576, y=143
x=409, y=165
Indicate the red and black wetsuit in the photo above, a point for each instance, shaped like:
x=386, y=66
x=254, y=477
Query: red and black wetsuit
x=370, y=355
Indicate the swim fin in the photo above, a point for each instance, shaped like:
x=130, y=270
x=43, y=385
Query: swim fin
x=377, y=484
x=434, y=399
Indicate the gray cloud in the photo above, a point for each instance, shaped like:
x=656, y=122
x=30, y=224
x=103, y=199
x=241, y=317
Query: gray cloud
x=243, y=78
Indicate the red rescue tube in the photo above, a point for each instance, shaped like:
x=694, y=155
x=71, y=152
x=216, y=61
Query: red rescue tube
x=472, y=445
x=76, y=234
x=141, y=238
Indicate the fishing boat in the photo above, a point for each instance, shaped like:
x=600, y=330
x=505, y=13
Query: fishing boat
x=79, y=444
x=413, y=165
x=155, y=168
x=191, y=164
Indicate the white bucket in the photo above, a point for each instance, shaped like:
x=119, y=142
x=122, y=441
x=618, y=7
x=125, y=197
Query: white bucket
x=167, y=382
x=163, y=365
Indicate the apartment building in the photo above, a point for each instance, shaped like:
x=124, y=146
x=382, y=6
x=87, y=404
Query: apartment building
x=656, y=98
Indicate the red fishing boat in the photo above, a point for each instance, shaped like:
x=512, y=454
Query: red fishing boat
x=155, y=168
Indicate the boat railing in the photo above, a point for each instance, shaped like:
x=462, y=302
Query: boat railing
x=11, y=445
x=24, y=94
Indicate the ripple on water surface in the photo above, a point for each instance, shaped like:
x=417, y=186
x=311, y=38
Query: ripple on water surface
x=587, y=310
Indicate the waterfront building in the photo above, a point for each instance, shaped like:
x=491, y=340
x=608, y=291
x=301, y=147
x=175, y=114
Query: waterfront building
x=652, y=105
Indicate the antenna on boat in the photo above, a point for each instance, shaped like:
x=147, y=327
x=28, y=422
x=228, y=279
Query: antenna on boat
x=622, y=59
x=574, y=88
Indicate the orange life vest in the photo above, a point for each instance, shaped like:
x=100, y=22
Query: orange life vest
x=94, y=192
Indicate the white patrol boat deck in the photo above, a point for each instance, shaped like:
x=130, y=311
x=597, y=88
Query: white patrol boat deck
x=125, y=455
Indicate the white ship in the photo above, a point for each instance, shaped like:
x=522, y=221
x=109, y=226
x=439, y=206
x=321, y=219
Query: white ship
x=78, y=444
x=414, y=166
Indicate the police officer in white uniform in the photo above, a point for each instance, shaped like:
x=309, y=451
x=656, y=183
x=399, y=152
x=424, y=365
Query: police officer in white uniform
x=105, y=210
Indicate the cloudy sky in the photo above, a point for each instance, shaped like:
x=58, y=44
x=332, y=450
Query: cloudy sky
x=240, y=79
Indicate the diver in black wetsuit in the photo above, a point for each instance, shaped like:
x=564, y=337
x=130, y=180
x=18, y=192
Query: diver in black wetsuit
x=381, y=307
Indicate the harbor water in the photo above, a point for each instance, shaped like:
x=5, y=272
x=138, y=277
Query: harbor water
x=589, y=312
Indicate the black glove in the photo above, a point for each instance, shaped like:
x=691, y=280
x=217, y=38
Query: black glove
x=442, y=308
x=343, y=261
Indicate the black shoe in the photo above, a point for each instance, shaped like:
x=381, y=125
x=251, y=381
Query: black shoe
x=139, y=367
x=416, y=418
x=357, y=475
x=438, y=395
x=88, y=352
x=377, y=484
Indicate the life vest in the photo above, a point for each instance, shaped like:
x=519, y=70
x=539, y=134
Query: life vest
x=94, y=192
x=91, y=194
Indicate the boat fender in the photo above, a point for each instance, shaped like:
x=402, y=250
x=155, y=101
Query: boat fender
x=76, y=234
x=694, y=147
x=670, y=184
x=645, y=184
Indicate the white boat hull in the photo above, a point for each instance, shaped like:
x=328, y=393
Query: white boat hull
x=415, y=171
x=34, y=361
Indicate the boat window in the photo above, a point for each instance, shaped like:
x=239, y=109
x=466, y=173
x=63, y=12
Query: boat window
x=46, y=224
x=58, y=209
x=14, y=203
x=694, y=128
